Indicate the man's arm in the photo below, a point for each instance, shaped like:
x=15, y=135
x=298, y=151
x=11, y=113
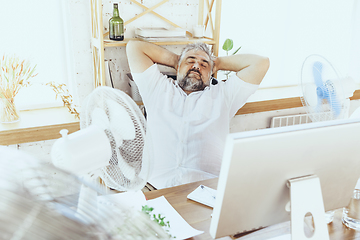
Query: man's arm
x=248, y=67
x=141, y=55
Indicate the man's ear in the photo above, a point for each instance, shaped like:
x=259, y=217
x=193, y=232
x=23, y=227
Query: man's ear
x=177, y=64
x=214, y=69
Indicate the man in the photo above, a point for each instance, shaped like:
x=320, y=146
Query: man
x=188, y=119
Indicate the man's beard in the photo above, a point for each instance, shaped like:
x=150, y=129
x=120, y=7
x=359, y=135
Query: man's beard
x=191, y=83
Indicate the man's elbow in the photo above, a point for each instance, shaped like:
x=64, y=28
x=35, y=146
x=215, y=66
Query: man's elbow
x=132, y=44
x=264, y=64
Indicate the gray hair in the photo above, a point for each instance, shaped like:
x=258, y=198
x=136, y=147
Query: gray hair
x=198, y=46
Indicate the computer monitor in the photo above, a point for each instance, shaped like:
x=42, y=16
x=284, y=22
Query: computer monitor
x=252, y=189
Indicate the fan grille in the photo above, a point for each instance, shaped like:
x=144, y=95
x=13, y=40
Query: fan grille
x=321, y=90
x=127, y=169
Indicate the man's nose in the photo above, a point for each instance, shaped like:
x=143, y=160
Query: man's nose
x=196, y=65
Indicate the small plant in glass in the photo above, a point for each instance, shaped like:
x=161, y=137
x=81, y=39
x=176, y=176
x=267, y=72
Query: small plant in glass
x=14, y=74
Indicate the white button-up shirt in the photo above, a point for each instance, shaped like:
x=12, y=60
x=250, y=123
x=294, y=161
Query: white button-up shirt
x=187, y=133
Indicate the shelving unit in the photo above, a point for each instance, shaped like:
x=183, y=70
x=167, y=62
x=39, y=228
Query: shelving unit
x=100, y=39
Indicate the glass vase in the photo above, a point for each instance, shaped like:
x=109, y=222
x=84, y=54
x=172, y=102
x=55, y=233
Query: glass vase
x=8, y=111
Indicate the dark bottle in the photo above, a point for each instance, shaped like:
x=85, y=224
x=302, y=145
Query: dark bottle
x=116, y=25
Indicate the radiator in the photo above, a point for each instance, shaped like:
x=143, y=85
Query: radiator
x=289, y=120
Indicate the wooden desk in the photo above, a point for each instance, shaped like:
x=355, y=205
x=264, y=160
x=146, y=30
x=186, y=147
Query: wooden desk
x=199, y=216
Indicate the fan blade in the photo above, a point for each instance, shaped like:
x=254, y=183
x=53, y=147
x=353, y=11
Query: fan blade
x=333, y=99
x=122, y=125
x=87, y=203
x=319, y=105
x=126, y=169
x=336, y=107
x=317, y=73
x=99, y=118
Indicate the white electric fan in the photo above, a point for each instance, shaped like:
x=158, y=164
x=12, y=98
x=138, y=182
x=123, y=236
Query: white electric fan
x=110, y=143
x=109, y=146
x=39, y=201
x=323, y=93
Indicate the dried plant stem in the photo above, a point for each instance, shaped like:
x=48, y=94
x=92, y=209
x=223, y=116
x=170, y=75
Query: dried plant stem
x=65, y=96
x=15, y=74
x=9, y=112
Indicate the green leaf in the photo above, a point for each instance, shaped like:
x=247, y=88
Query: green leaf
x=146, y=209
x=236, y=50
x=228, y=45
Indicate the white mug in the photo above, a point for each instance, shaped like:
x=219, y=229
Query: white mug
x=198, y=31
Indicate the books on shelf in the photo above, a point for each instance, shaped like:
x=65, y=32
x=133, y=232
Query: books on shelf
x=162, y=39
x=161, y=34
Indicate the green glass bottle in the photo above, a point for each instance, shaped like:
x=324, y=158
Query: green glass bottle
x=116, y=25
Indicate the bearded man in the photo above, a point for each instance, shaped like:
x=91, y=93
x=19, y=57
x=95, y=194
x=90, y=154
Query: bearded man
x=188, y=118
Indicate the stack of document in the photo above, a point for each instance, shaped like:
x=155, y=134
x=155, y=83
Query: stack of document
x=161, y=34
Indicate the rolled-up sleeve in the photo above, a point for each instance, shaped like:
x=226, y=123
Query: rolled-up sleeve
x=236, y=93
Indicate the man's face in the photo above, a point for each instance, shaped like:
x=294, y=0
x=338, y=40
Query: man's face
x=194, y=71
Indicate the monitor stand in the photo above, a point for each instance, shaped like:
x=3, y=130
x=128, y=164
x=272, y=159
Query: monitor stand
x=305, y=198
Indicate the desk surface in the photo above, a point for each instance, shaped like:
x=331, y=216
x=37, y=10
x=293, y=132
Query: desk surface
x=198, y=215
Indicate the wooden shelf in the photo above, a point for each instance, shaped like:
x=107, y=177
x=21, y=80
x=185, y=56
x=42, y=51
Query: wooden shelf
x=111, y=43
x=38, y=125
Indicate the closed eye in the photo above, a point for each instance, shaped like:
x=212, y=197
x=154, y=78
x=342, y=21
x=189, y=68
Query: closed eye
x=192, y=60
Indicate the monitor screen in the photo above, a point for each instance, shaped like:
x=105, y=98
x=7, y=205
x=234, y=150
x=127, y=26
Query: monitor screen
x=252, y=191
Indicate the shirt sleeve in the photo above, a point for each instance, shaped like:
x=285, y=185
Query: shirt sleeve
x=150, y=82
x=237, y=92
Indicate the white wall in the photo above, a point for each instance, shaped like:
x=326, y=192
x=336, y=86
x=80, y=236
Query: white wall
x=79, y=17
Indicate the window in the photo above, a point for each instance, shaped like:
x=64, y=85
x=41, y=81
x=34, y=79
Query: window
x=289, y=31
x=36, y=31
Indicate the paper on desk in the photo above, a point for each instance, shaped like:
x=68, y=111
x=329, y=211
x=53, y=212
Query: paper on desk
x=179, y=228
x=128, y=200
x=203, y=195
